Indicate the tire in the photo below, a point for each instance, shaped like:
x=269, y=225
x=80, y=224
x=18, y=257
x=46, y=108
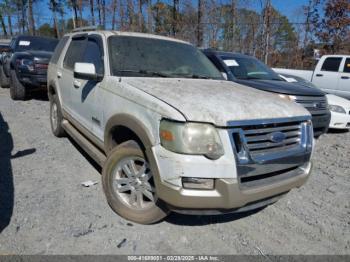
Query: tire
x=17, y=90
x=4, y=80
x=56, y=117
x=126, y=202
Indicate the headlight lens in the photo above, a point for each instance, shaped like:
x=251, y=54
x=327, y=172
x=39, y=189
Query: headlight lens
x=191, y=138
x=337, y=109
x=288, y=97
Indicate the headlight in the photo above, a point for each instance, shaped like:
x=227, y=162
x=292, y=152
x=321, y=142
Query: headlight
x=288, y=97
x=337, y=109
x=191, y=138
x=29, y=64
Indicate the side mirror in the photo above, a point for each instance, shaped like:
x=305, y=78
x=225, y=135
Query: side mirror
x=224, y=75
x=86, y=71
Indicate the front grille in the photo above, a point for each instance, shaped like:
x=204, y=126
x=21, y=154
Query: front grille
x=317, y=105
x=258, y=138
x=269, y=178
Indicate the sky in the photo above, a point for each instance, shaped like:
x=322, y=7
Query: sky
x=290, y=8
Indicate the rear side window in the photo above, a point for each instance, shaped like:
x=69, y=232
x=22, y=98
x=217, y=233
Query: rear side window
x=331, y=64
x=58, y=50
x=74, y=53
x=347, y=66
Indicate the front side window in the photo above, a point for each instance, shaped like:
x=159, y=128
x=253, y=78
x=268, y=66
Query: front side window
x=331, y=64
x=93, y=55
x=149, y=57
x=249, y=68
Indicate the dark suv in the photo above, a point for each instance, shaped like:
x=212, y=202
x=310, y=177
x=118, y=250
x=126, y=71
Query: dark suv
x=24, y=66
x=249, y=71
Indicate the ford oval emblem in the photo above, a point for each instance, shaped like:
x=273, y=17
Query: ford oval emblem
x=277, y=137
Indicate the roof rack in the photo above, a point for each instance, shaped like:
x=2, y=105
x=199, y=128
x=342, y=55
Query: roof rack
x=86, y=28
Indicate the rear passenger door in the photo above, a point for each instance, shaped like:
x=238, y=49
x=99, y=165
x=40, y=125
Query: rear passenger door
x=327, y=77
x=344, y=79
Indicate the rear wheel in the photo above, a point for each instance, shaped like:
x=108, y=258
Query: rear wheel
x=129, y=186
x=56, y=117
x=4, y=80
x=17, y=89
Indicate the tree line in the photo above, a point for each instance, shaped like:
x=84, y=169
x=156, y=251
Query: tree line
x=232, y=25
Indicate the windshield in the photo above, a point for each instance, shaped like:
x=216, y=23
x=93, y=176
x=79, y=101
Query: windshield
x=149, y=57
x=38, y=44
x=249, y=68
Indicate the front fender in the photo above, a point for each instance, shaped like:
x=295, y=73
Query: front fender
x=131, y=123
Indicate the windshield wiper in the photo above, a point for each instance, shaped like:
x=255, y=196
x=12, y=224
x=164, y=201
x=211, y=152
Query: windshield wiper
x=193, y=76
x=144, y=72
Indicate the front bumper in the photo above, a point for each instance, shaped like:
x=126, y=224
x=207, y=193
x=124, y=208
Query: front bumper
x=320, y=123
x=339, y=121
x=228, y=195
x=34, y=81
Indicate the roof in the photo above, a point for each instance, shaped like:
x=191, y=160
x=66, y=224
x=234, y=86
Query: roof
x=108, y=33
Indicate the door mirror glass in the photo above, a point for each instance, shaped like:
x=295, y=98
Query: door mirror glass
x=224, y=75
x=86, y=71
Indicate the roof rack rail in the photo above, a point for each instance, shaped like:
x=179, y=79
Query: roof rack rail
x=86, y=28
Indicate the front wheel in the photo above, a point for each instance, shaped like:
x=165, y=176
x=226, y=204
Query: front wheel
x=17, y=89
x=129, y=187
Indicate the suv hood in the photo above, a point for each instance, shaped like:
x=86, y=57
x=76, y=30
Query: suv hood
x=216, y=101
x=281, y=87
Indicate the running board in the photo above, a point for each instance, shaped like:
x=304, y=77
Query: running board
x=85, y=144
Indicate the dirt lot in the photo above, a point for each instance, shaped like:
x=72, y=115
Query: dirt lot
x=45, y=210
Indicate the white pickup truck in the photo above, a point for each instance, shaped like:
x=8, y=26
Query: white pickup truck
x=332, y=74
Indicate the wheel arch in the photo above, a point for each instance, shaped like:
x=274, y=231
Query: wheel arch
x=123, y=127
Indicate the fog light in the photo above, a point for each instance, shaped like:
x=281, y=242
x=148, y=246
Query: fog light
x=198, y=183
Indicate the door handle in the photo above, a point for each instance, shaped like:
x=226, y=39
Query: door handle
x=319, y=75
x=59, y=74
x=345, y=77
x=76, y=83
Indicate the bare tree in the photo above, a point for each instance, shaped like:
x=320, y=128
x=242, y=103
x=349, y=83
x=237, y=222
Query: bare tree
x=200, y=23
x=92, y=13
x=31, y=18
x=140, y=15
x=114, y=10
x=103, y=4
x=54, y=7
x=149, y=16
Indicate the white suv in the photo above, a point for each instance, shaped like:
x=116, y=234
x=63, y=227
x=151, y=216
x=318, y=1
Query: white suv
x=169, y=132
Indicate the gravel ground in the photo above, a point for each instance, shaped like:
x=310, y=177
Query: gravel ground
x=45, y=210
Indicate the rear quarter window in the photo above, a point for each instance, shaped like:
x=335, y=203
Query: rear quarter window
x=58, y=50
x=331, y=64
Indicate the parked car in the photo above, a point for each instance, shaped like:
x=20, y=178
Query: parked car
x=339, y=107
x=4, y=47
x=249, y=71
x=24, y=66
x=169, y=132
x=331, y=74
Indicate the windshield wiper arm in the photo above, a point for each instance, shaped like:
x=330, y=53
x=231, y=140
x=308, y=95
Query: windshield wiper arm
x=144, y=72
x=193, y=76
